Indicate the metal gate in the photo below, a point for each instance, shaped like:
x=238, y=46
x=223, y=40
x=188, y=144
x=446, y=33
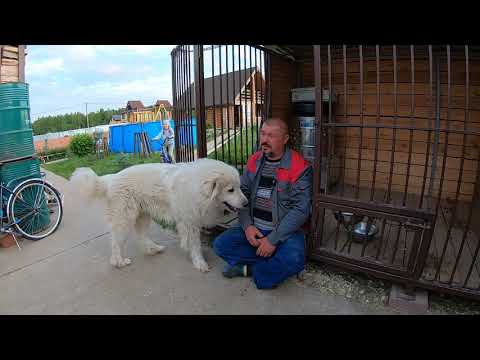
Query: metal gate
x=221, y=119
x=399, y=139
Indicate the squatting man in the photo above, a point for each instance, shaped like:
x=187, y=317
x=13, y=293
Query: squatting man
x=269, y=243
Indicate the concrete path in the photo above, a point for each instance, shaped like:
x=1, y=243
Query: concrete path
x=69, y=273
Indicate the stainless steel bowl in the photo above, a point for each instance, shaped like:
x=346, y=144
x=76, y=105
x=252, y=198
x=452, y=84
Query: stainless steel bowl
x=360, y=232
x=347, y=218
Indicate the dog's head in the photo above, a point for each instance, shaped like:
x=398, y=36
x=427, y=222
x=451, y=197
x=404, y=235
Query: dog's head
x=222, y=188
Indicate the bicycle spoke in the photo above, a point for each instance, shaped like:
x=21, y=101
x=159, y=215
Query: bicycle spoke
x=20, y=220
x=24, y=202
x=37, y=197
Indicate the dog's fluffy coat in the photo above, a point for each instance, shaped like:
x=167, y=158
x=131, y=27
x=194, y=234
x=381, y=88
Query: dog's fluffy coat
x=193, y=195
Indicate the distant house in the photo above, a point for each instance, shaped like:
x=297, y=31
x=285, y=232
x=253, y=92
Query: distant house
x=116, y=119
x=233, y=103
x=135, y=111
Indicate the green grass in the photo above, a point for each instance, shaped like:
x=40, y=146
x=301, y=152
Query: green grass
x=229, y=156
x=109, y=165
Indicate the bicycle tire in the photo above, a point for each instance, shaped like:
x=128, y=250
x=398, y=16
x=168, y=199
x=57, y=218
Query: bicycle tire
x=15, y=200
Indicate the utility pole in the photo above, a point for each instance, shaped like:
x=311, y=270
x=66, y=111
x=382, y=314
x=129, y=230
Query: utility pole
x=86, y=114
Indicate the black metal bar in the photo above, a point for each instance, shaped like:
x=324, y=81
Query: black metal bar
x=183, y=99
x=268, y=87
x=256, y=98
x=462, y=160
x=412, y=104
x=213, y=105
x=245, y=98
x=395, y=111
x=200, y=101
x=359, y=166
x=400, y=127
x=317, y=212
x=174, y=101
x=228, y=106
x=252, y=150
x=444, y=163
x=234, y=107
x=240, y=108
x=187, y=106
x=263, y=89
x=436, y=137
x=345, y=91
x=395, y=247
x=427, y=155
x=221, y=101
x=201, y=110
x=378, y=207
x=372, y=191
x=329, y=140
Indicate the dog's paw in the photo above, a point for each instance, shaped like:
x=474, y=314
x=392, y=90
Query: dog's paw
x=201, y=265
x=119, y=262
x=152, y=250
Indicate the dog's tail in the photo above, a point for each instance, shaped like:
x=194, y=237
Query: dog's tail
x=85, y=181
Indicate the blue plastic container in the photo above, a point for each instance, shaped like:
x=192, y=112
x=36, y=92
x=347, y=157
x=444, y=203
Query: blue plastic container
x=122, y=137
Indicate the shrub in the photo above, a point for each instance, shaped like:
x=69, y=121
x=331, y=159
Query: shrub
x=82, y=144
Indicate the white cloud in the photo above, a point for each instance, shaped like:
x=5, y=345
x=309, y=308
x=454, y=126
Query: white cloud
x=148, y=49
x=158, y=87
x=44, y=67
x=82, y=52
x=110, y=69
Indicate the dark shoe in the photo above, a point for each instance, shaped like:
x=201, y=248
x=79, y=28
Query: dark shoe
x=238, y=270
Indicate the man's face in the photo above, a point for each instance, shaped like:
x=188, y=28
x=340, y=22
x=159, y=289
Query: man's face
x=165, y=126
x=273, y=139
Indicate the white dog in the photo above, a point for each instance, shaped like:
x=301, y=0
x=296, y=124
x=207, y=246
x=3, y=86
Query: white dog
x=193, y=195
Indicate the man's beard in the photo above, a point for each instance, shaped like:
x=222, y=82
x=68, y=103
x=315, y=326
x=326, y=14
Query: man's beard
x=267, y=151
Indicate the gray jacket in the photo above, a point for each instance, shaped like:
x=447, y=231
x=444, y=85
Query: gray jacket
x=291, y=194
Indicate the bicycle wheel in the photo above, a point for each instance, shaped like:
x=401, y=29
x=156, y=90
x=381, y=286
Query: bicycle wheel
x=35, y=208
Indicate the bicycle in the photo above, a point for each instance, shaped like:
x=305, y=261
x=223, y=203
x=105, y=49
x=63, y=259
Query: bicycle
x=30, y=207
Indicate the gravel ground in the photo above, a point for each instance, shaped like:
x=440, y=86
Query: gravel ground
x=362, y=288
x=373, y=292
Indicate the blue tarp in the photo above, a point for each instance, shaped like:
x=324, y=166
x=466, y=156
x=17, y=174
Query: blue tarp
x=121, y=137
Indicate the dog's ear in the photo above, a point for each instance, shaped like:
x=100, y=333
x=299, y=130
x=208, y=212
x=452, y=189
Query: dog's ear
x=211, y=187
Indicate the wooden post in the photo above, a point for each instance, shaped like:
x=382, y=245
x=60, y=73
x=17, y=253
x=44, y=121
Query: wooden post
x=1, y=57
x=200, y=101
x=21, y=63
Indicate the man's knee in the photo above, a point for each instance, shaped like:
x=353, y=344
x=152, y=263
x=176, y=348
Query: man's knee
x=218, y=245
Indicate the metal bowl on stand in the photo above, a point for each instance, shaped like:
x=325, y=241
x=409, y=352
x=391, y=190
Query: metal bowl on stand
x=360, y=231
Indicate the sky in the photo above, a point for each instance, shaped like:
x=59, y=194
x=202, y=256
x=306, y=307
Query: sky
x=62, y=78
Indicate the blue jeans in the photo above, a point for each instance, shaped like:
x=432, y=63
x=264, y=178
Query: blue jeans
x=287, y=260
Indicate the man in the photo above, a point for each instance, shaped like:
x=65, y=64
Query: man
x=269, y=244
x=168, y=137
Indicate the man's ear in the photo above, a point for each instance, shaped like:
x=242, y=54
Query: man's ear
x=287, y=137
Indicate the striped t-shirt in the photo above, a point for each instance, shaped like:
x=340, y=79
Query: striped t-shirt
x=262, y=210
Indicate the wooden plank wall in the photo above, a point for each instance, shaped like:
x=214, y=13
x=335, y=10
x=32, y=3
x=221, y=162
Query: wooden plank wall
x=12, y=63
x=347, y=141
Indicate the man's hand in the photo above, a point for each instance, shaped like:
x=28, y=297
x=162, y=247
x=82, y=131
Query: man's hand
x=265, y=249
x=253, y=234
